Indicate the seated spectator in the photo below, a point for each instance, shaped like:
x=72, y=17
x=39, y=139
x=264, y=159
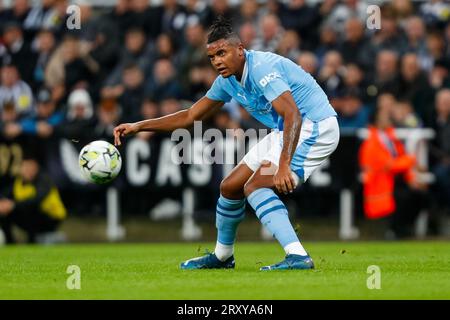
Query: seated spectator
x=79, y=67
x=33, y=204
x=215, y=9
x=197, y=84
x=390, y=186
x=169, y=106
x=435, y=13
x=16, y=50
x=79, y=119
x=353, y=114
x=270, y=36
x=108, y=115
x=99, y=36
x=122, y=16
x=386, y=102
x=44, y=16
x=414, y=87
x=193, y=52
x=297, y=15
x=327, y=43
x=389, y=36
x=248, y=13
x=416, y=35
x=147, y=18
x=247, y=34
x=149, y=110
x=289, y=45
x=13, y=89
x=9, y=127
x=17, y=13
x=46, y=118
x=436, y=47
x=355, y=47
x=135, y=51
x=308, y=61
x=403, y=115
x=354, y=80
x=330, y=74
x=163, y=84
x=440, y=151
x=45, y=45
x=166, y=48
x=130, y=92
x=439, y=75
x=173, y=18
x=385, y=78
x=401, y=10
x=345, y=10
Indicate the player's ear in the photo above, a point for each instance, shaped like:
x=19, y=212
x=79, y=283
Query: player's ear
x=241, y=49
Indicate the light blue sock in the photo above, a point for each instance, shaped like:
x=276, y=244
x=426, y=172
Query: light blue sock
x=273, y=215
x=229, y=213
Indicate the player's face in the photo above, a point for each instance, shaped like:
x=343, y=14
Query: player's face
x=226, y=58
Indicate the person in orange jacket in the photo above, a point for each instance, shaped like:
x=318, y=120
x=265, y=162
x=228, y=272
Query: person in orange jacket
x=386, y=167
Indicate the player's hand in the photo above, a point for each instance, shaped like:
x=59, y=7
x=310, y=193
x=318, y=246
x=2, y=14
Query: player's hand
x=123, y=130
x=283, y=180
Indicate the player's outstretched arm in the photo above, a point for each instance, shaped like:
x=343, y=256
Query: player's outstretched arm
x=201, y=110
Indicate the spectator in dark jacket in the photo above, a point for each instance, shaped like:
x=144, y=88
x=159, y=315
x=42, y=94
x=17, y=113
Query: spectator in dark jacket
x=414, y=87
x=17, y=51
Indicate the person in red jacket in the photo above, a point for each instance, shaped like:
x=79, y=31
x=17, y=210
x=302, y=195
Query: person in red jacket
x=389, y=181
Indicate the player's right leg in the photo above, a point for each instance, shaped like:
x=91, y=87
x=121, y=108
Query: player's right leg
x=230, y=211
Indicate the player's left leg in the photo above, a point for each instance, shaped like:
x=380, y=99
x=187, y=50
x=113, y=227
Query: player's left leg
x=317, y=141
x=273, y=214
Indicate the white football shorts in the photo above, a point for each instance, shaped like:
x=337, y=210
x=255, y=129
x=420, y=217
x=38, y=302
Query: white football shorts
x=317, y=142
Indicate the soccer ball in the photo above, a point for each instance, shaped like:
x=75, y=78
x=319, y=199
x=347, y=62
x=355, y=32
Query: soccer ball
x=100, y=162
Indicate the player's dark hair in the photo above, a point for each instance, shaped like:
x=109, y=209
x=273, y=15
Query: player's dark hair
x=221, y=29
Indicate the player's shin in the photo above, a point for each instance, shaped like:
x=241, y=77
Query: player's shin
x=273, y=214
x=229, y=213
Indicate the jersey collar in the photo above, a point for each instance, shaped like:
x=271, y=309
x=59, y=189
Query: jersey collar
x=245, y=71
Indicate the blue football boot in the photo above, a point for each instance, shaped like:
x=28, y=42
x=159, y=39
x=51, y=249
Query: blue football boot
x=208, y=261
x=292, y=262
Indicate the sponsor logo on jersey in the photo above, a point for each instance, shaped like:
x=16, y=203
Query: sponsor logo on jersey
x=270, y=77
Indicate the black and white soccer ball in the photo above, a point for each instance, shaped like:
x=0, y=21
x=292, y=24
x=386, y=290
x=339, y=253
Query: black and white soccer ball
x=100, y=162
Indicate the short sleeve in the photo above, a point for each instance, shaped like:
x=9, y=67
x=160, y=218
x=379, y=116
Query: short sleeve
x=270, y=81
x=217, y=91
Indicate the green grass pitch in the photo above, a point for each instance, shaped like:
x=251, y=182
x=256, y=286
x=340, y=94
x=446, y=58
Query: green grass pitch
x=409, y=270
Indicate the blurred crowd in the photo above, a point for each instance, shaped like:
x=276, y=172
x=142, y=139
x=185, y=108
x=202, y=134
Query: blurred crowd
x=136, y=60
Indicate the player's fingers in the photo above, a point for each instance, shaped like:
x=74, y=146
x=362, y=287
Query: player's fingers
x=277, y=184
x=283, y=186
x=116, y=136
x=290, y=184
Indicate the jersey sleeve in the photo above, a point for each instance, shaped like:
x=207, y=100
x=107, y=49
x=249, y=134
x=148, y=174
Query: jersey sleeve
x=269, y=80
x=217, y=91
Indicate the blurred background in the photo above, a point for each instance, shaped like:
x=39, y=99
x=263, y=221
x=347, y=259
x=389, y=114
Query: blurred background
x=63, y=87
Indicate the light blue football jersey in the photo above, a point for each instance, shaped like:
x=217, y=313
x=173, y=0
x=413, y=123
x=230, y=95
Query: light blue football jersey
x=266, y=76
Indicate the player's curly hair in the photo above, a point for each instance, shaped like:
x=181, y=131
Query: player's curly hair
x=221, y=29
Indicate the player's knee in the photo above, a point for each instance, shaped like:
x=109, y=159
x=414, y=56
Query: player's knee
x=228, y=190
x=249, y=187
